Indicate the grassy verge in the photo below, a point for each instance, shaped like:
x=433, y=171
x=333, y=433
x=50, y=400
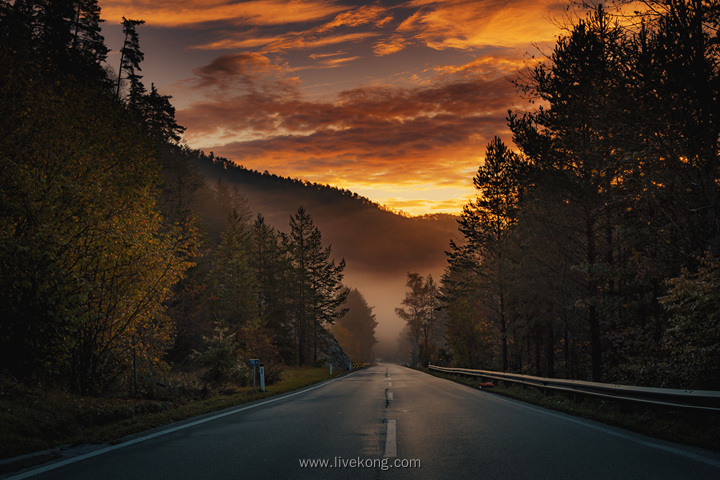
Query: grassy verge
x=37, y=420
x=696, y=428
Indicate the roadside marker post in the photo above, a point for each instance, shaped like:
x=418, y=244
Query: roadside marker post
x=262, y=378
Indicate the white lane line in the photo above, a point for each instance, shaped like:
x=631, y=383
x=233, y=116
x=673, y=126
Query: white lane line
x=391, y=439
x=95, y=453
x=615, y=431
x=390, y=395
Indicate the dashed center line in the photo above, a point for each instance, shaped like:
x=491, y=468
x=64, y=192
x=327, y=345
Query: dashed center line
x=391, y=439
x=391, y=436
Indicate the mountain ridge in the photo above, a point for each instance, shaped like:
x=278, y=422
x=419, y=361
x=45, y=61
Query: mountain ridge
x=371, y=237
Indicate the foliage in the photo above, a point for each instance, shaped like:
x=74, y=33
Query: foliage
x=233, y=285
x=103, y=261
x=87, y=261
x=271, y=268
x=257, y=341
x=222, y=360
x=692, y=339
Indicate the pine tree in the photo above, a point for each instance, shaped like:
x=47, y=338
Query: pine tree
x=87, y=39
x=316, y=283
x=62, y=35
x=130, y=59
x=485, y=223
x=271, y=268
x=233, y=281
x=159, y=116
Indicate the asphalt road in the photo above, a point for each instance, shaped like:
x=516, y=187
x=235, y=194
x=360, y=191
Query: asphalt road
x=388, y=422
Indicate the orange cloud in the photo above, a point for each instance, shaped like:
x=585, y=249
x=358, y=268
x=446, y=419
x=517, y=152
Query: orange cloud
x=338, y=62
x=173, y=13
x=485, y=66
x=467, y=24
x=390, y=45
x=374, y=14
x=315, y=37
x=292, y=41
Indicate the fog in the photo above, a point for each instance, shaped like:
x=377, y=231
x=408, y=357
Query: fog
x=379, y=246
x=385, y=292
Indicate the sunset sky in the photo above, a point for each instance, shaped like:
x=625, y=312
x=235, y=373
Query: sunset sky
x=395, y=100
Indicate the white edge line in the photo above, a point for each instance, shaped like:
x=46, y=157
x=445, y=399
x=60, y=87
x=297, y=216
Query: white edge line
x=635, y=437
x=95, y=453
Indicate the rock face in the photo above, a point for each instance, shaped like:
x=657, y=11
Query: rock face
x=330, y=351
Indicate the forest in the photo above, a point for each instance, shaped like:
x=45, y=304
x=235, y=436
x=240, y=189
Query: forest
x=592, y=249
x=116, y=253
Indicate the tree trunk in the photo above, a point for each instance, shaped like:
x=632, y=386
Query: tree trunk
x=593, y=319
x=503, y=331
x=550, y=351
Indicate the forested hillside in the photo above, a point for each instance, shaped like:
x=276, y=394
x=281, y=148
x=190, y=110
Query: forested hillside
x=118, y=248
x=369, y=237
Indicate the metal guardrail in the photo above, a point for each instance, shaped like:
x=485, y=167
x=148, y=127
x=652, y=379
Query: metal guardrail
x=690, y=399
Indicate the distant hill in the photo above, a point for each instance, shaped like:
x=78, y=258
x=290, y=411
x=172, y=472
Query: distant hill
x=379, y=246
x=372, y=239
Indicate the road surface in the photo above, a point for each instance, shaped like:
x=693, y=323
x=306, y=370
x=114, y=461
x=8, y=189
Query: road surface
x=387, y=422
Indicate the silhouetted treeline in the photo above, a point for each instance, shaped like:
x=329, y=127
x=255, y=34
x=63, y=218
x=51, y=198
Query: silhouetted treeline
x=267, y=181
x=593, y=251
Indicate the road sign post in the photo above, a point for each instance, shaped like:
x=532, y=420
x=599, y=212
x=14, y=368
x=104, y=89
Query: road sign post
x=254, y=362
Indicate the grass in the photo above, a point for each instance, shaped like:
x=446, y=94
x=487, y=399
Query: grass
x=36, y=420
x=695, y=428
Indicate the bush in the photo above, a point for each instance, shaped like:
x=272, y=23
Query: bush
x=692, y=340
x=273, y=373
x=222, y=360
